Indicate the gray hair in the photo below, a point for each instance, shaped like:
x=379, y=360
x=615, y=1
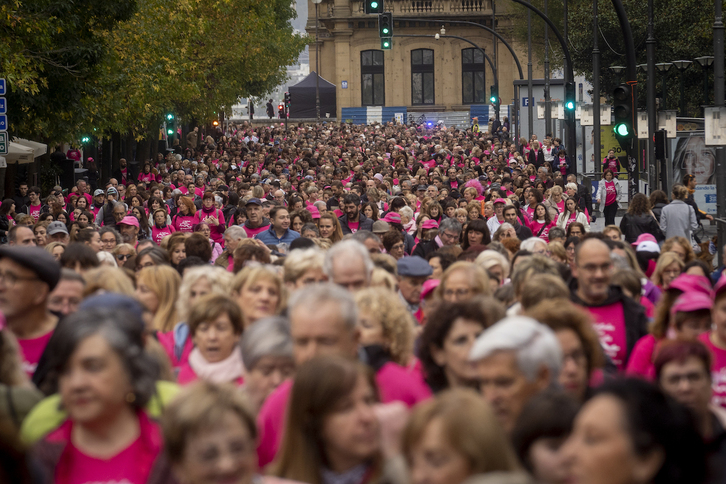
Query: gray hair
x=116, y=234
x=530, y=243
x=535, y=344
x=237, y=232
x=312, y=298
x=406, y=212
x=266, y=337
x=450, y=224
x=220, y=282
x=123, y=332
x=363, y=235
x=571, y=186
x=71, y=275
x=348, y=248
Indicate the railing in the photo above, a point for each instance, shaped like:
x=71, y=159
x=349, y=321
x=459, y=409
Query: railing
x=427, y=7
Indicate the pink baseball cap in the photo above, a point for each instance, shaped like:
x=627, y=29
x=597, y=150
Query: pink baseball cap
x=429, y=287
x=313, y=211
x=645, y=238
x=392, y=217
x=688, y=283
x=130, y=220
x=430, y=224
x=691, y=301
x=500, y=200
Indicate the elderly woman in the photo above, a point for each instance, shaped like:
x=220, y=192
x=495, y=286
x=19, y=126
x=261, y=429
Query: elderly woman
x=105, y=378
x=505, y=231
x=215, y=325
x=303, y=267
x=496, y=265
x=449, y=335
x=462, y=281
x=267, y=355
x=668, y=267
x=259, y=292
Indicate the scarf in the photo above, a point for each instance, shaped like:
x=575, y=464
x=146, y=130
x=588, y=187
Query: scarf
x=225, y=371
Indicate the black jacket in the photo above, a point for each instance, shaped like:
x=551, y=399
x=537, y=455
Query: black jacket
x=423, y=249
x=657, y=210
x=636, y=322
x=634, y=225
x=364, y=223
x=522, y=232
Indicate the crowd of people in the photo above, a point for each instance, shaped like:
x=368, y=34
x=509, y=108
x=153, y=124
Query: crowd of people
x=339, y=304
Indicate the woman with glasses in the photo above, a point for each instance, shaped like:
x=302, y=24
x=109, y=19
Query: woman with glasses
x=668, y=267
x=122, y=253
x=463, y=281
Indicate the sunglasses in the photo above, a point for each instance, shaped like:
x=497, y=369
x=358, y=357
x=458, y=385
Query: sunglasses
x=123, y=256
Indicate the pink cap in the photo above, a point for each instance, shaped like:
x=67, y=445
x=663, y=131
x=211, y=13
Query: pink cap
x=719, y=287
x=313, y=211
x=691, y=301
x=378, y=177
x=500, y=200
x=130, y=220
x=645, y=238
x=428, y=287
x=687, y=283
x=647, y=246
x=430, y=224
x=392, y=217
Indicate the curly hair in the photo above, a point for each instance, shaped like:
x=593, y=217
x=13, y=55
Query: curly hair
x=386, y=307
x=639, y=204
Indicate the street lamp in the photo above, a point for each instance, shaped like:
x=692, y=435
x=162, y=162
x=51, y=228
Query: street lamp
x=663, y=67
x=317, y=64
x=682, y=66
x=705, y=62
x=642, y=67
x=617, y=69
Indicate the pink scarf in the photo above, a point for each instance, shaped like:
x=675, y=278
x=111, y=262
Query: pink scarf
x=225, y=371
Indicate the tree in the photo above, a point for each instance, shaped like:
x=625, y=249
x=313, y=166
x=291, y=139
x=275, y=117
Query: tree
x=676, y=38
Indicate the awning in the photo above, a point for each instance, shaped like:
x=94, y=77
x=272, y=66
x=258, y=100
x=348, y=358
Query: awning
x=39, y=149
x=20, y=154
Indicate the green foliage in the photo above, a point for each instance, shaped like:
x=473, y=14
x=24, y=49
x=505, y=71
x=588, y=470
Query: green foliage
x=683, y=30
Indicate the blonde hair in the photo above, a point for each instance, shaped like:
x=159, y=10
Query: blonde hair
x=107, y=279
x=479, y=280
x=164, y=282
x=219, y=280
x=386, y=306
x=249, y=275
x=683, y=242
x=664, y=260
x=542, y=287
x=380, y=277
x=558, y=250
x=470, y=427
x=300, y=261
x=491, y=258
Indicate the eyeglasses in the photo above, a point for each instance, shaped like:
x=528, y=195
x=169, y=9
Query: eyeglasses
x=123, y=256
x=10, y=278
x=692, y=378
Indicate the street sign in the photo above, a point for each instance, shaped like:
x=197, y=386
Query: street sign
x=344, y=84
x=525, y=102
x=3, y=105
x=715, y=126
x=3, y=143
x=3, y=122
x=642, y=124
x=586, y=117
x=605, y=111
x=667, y=121
x=2, y=86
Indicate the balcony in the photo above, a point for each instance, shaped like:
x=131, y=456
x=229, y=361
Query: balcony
x=425, y=8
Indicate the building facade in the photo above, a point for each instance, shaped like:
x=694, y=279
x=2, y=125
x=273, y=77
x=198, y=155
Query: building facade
x=419, y=74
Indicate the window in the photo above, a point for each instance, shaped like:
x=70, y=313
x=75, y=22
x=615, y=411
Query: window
x=422, y=76
x=372, y=78
x=472, y=77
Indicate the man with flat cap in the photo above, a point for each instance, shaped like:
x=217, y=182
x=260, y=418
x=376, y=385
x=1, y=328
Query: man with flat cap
x=412, y=273
x=27, y=277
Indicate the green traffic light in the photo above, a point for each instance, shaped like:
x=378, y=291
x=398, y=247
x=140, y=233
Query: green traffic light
x=493, y=99
x=374, y=5
x=169, y=117
x=169, y=132
x=621, y=129
x=85, y=139
x=386, y=44
x=385, y=30
x=569, y=105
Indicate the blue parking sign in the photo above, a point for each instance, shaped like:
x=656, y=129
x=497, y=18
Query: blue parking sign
x=3, y=106
x=2, y=86
x=525, y=101
x=3, y=122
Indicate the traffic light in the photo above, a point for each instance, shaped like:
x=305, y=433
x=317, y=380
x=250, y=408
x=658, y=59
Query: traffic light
x=373, y=6
x=215, y=123
x=85, y=139
x=494, y=94
x=385, y=25
x=624, y=112
x=386, y=43
x=570, y=99
x=170, y=124
x=287, y=99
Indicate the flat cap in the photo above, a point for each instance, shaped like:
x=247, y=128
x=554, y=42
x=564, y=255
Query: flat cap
x=414, y=266
x=35, y=259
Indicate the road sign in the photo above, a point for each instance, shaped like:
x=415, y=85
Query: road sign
x=3, y=143
x=3, y=105
x=2, y=86
x=3, y=122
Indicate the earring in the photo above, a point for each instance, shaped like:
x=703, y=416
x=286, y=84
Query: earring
x=130, y=397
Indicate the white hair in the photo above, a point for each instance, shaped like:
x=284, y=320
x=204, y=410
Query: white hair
x=491, y=258
x=312, y=298
x=347, y=248
x=237, y=232
x=535, y=344
x=106, y=259
x=406, y=212
x=571, y=186
x=530, y=243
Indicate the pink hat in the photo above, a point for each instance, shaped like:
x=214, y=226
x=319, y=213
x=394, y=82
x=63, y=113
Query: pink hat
x=647, y=246
x=430, y=224
x=378, y=177
x=688, y=283
x=644, y=238
x=718, y=288
x=500, y=200
x=691, y=301
x=313, y=211
x=428, y=287
x=392, y=217
x=130, y=220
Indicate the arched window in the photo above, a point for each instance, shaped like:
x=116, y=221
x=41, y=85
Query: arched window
x=422, y=76
x=372, y=79
x=472, y=77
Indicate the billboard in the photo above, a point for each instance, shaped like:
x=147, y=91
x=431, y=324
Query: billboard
x=691, y=156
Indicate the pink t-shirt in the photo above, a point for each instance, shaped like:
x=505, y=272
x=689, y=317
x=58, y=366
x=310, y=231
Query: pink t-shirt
x=159, y=233
x=252, y=232
x=32, y=350
x=718, y=371
x=353, y=226
x=561, y=206
x=610, y=193
x=34, y=211
x=537, y=226
x=609, y=323
x=183, y=223
x=642, y=358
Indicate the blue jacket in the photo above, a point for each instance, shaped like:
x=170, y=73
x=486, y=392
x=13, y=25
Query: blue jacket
x=269, y=237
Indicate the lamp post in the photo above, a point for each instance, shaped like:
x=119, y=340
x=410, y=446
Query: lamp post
x=317, y=64
x=617, y=70
x=682, y=66
x=663, y=67
x=705, y=61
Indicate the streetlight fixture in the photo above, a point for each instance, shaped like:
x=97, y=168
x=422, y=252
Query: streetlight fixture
x=642, y=67
x=705, y=61
x=682, y=66
x=317, y=64
x=663, y=67
x=617, y=69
